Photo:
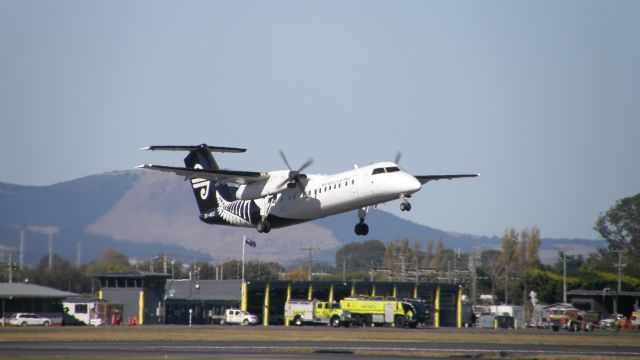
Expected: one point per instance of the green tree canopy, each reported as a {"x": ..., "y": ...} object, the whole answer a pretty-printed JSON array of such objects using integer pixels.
[
  {"x": 360, "y": 257},
  {"x": 620, "y": 227}
]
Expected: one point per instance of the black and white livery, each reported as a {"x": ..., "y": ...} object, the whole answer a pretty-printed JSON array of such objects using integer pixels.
[{"x": 274, "y": 199}]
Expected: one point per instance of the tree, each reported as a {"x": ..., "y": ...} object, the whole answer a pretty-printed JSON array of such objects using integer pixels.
[
  {"x": 109, "y": 261},
  {"x": 533, "y": 247},
  {"x": 620, "y": 227},
  {"x": 63, "y": 275},
  {"x": 360, "y": 257},
  {"x": 490, "y": 260},
  {"x": 398, "y": 258},
  {"x": 509, "y": 258}
]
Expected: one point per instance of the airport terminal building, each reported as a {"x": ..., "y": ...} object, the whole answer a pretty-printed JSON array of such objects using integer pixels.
[{"x": 154, "y": 298}]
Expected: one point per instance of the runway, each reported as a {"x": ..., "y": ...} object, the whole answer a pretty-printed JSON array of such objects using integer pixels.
[{"x": 297, "y": 350}]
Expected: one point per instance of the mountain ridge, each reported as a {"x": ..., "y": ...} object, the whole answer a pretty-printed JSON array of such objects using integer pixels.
[{"x": 143, "y": 213}]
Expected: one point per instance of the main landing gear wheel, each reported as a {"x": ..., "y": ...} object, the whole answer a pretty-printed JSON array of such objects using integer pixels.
[
  {"x": 264, "y": 226},
  {"x": 361, "y": 229}
]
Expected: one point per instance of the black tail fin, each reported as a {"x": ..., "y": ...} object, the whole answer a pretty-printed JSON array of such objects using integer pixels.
[{"x": 203, "y": 189}]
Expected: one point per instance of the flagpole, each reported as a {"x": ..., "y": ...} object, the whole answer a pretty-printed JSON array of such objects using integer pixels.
[{"x": 244, "y": 240}]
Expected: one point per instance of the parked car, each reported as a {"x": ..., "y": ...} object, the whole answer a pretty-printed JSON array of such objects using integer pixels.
[
  {"x": 611, "y": 322},
  {"x": 28, "y": 319}
]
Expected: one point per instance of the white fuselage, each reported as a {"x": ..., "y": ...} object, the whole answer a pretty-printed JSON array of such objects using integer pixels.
[{"x": 326, "y": 195}]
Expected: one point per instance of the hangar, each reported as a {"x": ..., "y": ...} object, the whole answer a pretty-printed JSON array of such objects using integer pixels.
[
  {"x": 604, "y": 301},
  {"x": 21, "y": 297},
  {"x": 154, "y": 298}
]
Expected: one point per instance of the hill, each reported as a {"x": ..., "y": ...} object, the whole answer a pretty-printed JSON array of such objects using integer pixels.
[{"x": 143, "y": 213}]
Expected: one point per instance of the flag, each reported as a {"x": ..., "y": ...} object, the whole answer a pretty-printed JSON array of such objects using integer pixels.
[{"x": 250, "y": 242}]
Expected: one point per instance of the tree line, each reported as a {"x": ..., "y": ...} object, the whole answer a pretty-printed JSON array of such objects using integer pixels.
[{"x": 508, "y": 273}]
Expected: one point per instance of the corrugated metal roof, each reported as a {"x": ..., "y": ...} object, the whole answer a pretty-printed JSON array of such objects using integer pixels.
[
  {"x": 132, "y": 274},
  {"x": 22, "y": 290},
  {"x": 203, "y": 289},
  {"x": 609, "y": 292}
]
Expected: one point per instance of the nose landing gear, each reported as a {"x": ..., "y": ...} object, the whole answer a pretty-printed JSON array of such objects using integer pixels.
[{"x": 405, "y": 205}]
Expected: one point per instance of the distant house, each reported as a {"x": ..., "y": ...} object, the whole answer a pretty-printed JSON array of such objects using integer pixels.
[{"x": 42, "y": 300}]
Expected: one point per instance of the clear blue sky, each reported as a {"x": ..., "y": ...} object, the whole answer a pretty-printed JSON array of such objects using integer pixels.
[{"x": 540, "y": 97}]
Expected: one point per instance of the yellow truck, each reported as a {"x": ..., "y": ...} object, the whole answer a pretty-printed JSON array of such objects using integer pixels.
[
  {"x": 301, "y": 312},
  {"x": 368, "y": 311}
]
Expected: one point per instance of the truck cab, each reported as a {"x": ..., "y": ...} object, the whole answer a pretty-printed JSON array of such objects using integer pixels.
[{"x": 316, "y": 312}]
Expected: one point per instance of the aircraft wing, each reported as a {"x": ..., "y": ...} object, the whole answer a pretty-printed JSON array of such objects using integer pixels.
[
  {"x": 426, "y": 178},
  {"x": 221, "y": 176}
]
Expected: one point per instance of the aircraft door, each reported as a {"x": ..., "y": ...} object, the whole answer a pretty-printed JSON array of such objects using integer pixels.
[{"x": 366, "y": 184}]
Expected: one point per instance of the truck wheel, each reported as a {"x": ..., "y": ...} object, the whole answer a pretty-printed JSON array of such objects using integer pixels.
[
  {"x": 399, "y": 321},
  {"x": 46, "y": 323},
  {"x": 297, "y": 321},
  {"x": 335, "y": 321},
  {"x": 24, "y": 323},
  {"x": 575, "y": 327},
  {"x": 245, "y": 322},
  {"x": 222, "y": 322},
  {"x": 366, "y": 321},
  {"x": 555, "y": 328}
]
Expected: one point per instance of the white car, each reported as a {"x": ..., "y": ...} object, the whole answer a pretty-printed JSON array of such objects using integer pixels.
[
  {"x": 28, "y": 319},
  {"x": 96, "y": 322},
  {"x": 235, "y": 316}
]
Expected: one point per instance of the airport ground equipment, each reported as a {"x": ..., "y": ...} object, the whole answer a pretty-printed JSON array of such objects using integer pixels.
[
  {"x": 316, "y": 312},
  {"x": 239, "y": 317},
  {"x": 423, "y": 314},
  {"x": 572, "y": 319},
  {"x": 368, "y": 311}
]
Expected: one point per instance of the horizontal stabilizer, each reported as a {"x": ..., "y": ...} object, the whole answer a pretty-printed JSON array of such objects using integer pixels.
[
  {"x": 220, "y": 176},
  {"x": 426, "y": 178},
  {"x": 222, "y": 149}
]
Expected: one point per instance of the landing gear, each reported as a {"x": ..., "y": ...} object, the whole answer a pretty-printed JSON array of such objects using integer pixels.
[
  {"x": 405, "y": 205},
  {"x": 362, "y": 228},
  {"x": 264, "y": 226}
]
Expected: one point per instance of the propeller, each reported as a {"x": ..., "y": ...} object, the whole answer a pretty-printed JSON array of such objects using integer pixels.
[
  {"x": 398, "y": 157},
  {"x": 294, "y": 175}
]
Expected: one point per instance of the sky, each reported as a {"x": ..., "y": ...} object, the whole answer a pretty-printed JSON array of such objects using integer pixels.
[{"x": 542, "y": 98}]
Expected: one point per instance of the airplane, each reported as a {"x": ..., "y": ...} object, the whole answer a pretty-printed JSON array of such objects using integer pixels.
[{"x": 275, "y": 199}]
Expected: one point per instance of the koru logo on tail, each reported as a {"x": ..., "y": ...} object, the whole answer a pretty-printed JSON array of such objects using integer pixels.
[{"x": 202, "y": 184}]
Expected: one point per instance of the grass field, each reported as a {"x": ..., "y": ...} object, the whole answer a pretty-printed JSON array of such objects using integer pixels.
[{"x": 231, "y": 333}]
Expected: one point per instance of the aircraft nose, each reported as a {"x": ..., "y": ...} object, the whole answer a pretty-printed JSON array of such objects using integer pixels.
[{"x": 412, "y": 184}]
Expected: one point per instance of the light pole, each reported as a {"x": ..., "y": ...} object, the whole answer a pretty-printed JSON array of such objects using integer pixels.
[{"x": 244, "y": 241}]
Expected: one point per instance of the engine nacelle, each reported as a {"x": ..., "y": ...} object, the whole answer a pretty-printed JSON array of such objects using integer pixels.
[{"x": 259, "y": 189}]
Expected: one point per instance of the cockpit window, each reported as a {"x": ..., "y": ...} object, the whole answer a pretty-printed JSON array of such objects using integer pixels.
[
  {"x": 392, "y": 169},
  {"x": 378, "y": 171}
]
